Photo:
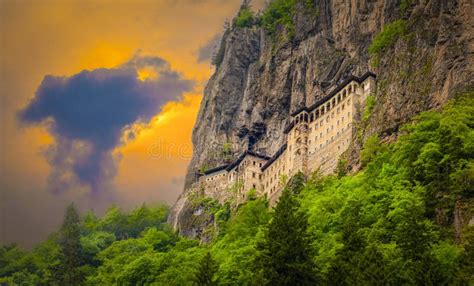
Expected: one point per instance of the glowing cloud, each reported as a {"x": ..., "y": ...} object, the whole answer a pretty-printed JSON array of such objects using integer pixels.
[{"x": 88, "y": 112}]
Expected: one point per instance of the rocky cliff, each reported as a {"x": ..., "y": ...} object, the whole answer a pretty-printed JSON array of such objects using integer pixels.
[{"x": 260, "y": 80}]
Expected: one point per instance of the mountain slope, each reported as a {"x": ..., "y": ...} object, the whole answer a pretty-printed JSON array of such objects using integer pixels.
[{"x": 425, "y": 54}]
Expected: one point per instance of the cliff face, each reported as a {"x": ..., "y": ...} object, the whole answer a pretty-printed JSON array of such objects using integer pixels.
[{"x": 257, "y": 85}]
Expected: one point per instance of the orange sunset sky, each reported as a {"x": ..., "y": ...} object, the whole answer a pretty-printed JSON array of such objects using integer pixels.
[{"x": 62, "y": 38}]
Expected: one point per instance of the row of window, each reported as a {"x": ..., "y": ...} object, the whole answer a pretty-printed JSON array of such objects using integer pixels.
[
  {"x": 336, "y": 100},
  {"x": 321, "y": 123}
]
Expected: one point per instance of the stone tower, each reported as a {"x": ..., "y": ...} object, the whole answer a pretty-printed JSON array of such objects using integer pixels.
[{"x": 298, "y": 143}]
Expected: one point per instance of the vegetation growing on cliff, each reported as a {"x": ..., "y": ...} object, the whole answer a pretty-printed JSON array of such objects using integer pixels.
[
  {"x": 369, "y": 107},
  {"x": 245, "y": 17},
  {"x": 386, "y": 38},
  {"x": 279, "y": 14},
  {"x": 389, "y": 224},
  {"x": 279, "y": 17}
]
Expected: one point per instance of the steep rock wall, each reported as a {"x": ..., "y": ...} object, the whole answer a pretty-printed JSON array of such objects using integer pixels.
[{"x": 259, "y": 82}]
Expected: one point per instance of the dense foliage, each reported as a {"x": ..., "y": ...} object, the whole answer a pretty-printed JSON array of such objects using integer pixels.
[
  {"x": 285, "y": 254},
  {"x": 392, "y": 223}
]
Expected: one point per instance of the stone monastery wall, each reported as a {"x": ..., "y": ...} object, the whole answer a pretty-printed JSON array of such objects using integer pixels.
[{"x": 316, "y": 136}]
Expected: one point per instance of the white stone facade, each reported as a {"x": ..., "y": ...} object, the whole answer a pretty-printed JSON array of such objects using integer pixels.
[{"x": 316, "y": 137}]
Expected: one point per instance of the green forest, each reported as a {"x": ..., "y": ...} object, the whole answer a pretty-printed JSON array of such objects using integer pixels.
[{"x": 392, "y": 223}]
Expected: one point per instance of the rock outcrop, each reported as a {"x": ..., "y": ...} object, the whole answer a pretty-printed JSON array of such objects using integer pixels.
[{"x": 259, "y": 81}]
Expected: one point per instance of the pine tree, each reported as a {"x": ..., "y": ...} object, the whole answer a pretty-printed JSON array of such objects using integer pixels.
[
  {"x": 207, "y": 271},
  {"x": 285, "y": 257},
  {"x": 69, "y": 240}
]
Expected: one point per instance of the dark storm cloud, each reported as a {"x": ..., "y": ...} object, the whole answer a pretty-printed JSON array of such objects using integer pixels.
[
  {"x": 88, "y": 112},
  {"x": 205, "y": 52}
]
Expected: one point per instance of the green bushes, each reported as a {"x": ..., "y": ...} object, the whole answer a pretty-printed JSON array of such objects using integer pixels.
[
  {"x": 386, "y": 38},
  {"x": 245, "y": 18},
  {"x": 278, "y": 14},
  {"x": 379, "y": 225},
  {"x": 390, "y": 33}
]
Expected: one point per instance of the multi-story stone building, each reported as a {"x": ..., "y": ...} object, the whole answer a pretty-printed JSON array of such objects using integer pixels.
[{"x": 315, "y": 138}]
